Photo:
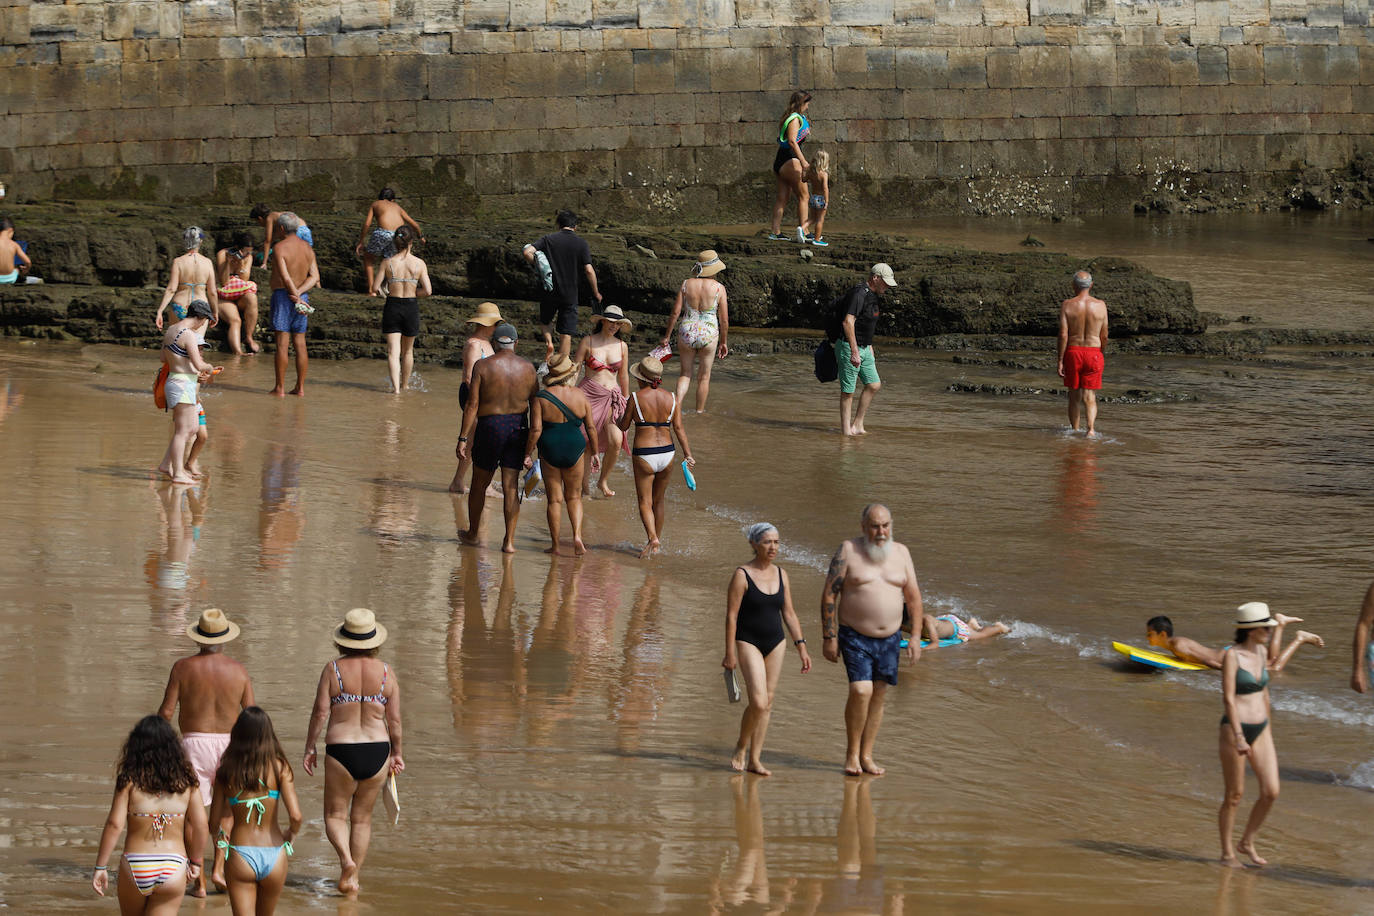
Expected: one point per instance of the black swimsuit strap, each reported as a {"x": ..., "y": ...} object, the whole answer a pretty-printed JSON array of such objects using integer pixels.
[{"x": 572, "y": 417}]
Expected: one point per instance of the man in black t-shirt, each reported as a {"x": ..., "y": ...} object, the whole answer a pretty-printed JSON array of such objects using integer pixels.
[
  {"x": 854, "y": 347},
  {"x": 568, "y": 256}
]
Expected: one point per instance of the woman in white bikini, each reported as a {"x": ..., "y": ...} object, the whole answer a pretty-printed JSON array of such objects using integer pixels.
[
  {"x": 193, "y": 277},
  {"x": 657, "y": 420},
  {"x": 606, "y": 385},
  {"x": 705, "y": 312}
]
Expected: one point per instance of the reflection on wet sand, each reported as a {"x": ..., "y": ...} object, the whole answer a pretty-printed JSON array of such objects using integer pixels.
[
  {"x": 1078, "y": 486},
  {"x": 859, "y": 888},
  {"x": 395, "y": 505},
  {"x": 643, "y": 679},
  {"x": 557, "y": 659},
  {"x": 281, "y": 517},
  {"x": 746, "y": 880},
  {"x": 486, "y": 678},
  {"x": 181, "y": 512}
]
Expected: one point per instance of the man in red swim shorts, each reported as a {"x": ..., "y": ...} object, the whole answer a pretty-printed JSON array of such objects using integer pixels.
[{"x": 1082, "y": 334}]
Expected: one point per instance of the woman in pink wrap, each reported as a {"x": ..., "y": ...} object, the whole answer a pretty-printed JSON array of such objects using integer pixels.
[{"x": 606, "y": 385}]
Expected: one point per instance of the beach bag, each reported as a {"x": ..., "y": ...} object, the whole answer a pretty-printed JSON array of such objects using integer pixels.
[
  {"x": 160, "y": 388},
  {"x": 827, "y": 366}
]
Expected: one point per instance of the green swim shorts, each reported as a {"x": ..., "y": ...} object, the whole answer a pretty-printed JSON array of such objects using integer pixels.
[{"x": 867, "y": 372}]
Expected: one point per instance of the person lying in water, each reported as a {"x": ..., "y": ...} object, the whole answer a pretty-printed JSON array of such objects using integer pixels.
[
  {"x": 948, "y": 626},
  {"x": 1159, "y": 632}
]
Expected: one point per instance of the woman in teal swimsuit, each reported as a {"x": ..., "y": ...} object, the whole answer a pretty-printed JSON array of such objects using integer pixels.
[
  {"x": 558, "y": 416},
  {"x": 1245, "y": 730},
  {"x": 254, "y": 778}
]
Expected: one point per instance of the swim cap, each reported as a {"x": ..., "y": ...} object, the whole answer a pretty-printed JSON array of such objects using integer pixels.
[{"x": 756, "y": 531}]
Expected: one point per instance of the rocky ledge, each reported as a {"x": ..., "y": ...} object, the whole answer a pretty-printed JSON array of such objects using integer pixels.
[{"x": 104, "y": 266}]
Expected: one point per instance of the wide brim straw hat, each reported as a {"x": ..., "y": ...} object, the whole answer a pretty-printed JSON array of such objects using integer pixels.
[
  {"x": 560, "y": 367},
  {"x": 213, "y": 628},
  {"x": 708, "y": 264},
  {"x": 648, "y": 370},
  {"x": 360, "y": 630},
  {"x": 1254, "y": 614},
  {"x": 614, "y": 315},
  {"x": 487, "y": 314}
]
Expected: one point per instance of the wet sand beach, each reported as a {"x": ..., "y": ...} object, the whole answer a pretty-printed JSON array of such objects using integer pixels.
[{"x": 567, "y": 737}]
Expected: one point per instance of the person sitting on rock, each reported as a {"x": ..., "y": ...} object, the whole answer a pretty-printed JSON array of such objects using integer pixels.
[{"x": 11, "y": 254}]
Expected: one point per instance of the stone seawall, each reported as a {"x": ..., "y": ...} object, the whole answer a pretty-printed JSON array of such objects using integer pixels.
[{"x": 668, "y": 108}]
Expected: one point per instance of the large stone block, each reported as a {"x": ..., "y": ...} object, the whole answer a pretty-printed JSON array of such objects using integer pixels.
[
  {"x": 959, "y": 12},
  {"x": 609, "y": 72},
  {"x": 1343, "y": 65},
  {"x": 968, "y": 68},
  {"x": 732, "y": 69},
  {"x": 863, "y": 12},
  {"x": 782, "y": 12},
  {"x": 865, "y": 68},
  {"x": 1045, "y": 66},
  {"x": 918, "y": 68},
  {"x": 63, "y": 22},
  {"x": 1003, "y": 68},
  {"x": 1143, "y": 66},
  {"x": 1092, "y": 65}
]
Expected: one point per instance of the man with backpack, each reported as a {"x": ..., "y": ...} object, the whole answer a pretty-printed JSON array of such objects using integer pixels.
[{"x": 853, "y": 323}]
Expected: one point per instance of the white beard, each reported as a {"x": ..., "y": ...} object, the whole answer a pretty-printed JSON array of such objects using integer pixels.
[{"x": 877, "y": 553}]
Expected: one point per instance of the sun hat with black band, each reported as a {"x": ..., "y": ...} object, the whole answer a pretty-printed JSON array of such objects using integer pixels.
[
  {"x": 1254, "y": 614},
  {"x": 613, "y": 314},
  {"x": 360, "y": 630},
  {"x": 560, "y": 368},
  {"x": 213, "y": 628},
  {"x": 648, "y": 370}
]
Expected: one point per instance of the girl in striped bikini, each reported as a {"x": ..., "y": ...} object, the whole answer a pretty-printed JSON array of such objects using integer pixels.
[{"x": 156, "y": 787}]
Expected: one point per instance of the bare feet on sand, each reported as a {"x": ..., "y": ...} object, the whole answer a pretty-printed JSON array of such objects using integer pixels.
[
  {"x": 508, "y": 547},
  {"x": 871, "y": 768},
  {"x": 297, "y": 391},
  {"x": 278, "y": 392},
  {"x": 650, "y": 549},
  {"x": 1232, "y": 862},
  {"x": 739, "y": 759},
  {"x": 184, "y": 481},
  {"x": 457, "y": 488},
  {"x": 605, "y": 490},
  {"x": 852, "y": 768},
  {"x": 469, "y": 539},
  {"x": 579, "y": 548},
  {"x": 1248, "y": 849},
  {"x": 348, "y": 879},
  {"x": 164, "y": 470}
]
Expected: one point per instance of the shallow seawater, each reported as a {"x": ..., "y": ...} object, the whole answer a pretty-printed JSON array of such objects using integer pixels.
[{"x": 566, "y": 735}]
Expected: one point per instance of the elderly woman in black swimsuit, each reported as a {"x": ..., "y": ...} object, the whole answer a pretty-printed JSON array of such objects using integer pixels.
[
  {"x": 757, "y": 605},
  {"x": 1245, "y": 731},
  {"x": 558, "y": 416},
  {"x": 363, "y": 741}
]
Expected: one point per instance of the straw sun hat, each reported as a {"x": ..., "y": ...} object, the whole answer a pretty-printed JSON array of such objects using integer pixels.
[
  {"x": 613, "y": 315},
  {"x": 213, "y": 628},
  {"x": 1254, "y": 614},
  {"x": 360, "y": 630},
  {"x": 560, "y": 367},
  {"x": 487, "y": 314},
  {"x": 708, "y": 264},
  {"x": 648, "y": 370}
]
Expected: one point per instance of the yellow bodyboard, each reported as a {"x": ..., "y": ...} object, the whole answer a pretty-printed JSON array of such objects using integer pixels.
[{"x": 1155, "y": 659}]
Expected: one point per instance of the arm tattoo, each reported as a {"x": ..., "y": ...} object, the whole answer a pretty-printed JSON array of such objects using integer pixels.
[{"x": 830, "y": 597}]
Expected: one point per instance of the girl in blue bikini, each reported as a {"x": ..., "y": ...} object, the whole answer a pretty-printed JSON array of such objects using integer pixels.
[{"x": 253, "y": 780}]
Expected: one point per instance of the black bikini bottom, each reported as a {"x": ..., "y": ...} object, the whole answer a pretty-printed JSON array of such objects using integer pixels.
[{"x": 362, "y": 760}]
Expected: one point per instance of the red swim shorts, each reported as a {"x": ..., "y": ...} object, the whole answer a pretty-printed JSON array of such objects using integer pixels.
[{"x": 1083, "y": 367}]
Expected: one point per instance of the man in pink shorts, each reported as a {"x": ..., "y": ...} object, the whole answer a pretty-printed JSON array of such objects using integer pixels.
[
  {"x": 1082, "y": 335},
  {"x": 211, "y": 688}
]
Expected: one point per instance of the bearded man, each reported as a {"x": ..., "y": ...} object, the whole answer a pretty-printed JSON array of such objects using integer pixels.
[{"x": 870, "y": 584}]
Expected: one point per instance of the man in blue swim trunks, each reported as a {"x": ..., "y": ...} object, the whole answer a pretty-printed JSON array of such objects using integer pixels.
[
  {"x": 495, "y": 428},
  {"x": 294, "y": 273},
  {"x": 871, "y": 579}
]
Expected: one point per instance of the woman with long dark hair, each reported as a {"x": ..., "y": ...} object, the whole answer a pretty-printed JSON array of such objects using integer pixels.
[
  {"x": 606, "y": 385},
  {"x": 253, "y": 780},
  {"x": 790, "y": 165},
  {"x": 156, "y": 786}
]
